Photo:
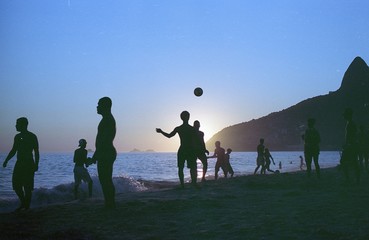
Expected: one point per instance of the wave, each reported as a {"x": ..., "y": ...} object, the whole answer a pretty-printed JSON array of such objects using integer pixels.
[{"x": 64, "y": 193}]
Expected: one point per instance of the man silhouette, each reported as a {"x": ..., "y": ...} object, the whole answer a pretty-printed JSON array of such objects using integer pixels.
[
  {"x": 106, "y": 153},
  {"x": 260, "y": 161},
  {"x": 200, "y": 149},
  {"x": 349, "y": 157},
  {"x": 25, "y": 145},
  {"x": 311, "y": 147},
  {"x": 186, "y": 150}
]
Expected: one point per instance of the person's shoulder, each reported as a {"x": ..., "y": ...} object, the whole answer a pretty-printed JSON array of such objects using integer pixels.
[{"x": 32, "y": 134}]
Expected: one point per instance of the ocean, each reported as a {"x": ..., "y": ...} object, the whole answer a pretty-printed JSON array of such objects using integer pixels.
[{"x": 54, "y": 179}]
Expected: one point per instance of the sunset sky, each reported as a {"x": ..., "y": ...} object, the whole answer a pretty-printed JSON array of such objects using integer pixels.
[{"x": 250, "y": 57}]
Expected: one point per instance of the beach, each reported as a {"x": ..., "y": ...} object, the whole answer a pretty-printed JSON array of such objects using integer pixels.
[{"x": 272, "y": 206}]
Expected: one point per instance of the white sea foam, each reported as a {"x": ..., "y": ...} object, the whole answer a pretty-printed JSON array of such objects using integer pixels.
[{"x": 64, "y": 193}]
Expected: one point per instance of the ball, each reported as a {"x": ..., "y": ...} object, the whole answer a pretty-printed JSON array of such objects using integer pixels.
[{"x": 198, "y": 91}]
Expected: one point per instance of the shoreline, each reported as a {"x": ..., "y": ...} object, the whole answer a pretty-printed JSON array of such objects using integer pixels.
[{"x": 273, "y": 206}]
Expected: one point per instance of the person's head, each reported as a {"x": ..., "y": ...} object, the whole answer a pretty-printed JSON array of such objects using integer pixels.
[
  {"x": 261, "y": 140},
  {"x": 196, "y": 125},
  {"x": 217, "y": 144},
  {"x": 82, "y": 143},
  {"x": 22, "y": 124},
  {"x": 311, "y": 122},
  {"x": 347, "y": 114},
  {"x": 229, "y": 150},
  {"x": 104, "y": 105},
  {"x": 185, "y": 116}
]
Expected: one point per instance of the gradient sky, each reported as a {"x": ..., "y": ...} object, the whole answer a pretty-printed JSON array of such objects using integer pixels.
[{"x": 250, "y": 57}]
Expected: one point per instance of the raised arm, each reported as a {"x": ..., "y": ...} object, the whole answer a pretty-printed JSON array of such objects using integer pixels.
[{"x": 168, "y": 135}]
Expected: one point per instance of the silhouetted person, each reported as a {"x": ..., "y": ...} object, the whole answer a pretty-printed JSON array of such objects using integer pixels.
[
  {"x": 349, "y": 157},
  {"x": 228, "y": 162},
  {"x": 28, "y": 156},
  {"x": 260, "y": 161},
  {"x": 186, "y": 151},
  {"x": 200, "y": 149},
  {"x": 267, "y": 157},
  {"x": 363, "y": 151},
  {"x": 219, "y": 153},
  {"x": 80, "y": 172},
  {"x": 301, "y": 163},
  {"x": 105, "y": 153},
  {"x": 311, "y": 147}
]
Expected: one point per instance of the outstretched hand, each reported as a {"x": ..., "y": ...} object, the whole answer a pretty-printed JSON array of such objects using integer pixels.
[{"x": 158, "y": 130}]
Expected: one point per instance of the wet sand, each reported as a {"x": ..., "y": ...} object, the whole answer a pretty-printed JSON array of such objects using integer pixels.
[{"x": 275, "y": 206}]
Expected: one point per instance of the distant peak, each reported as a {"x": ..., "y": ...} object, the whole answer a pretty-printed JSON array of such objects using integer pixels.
[
  {"x": 359, "y": 63},
  {"x": 356, "y": 76}
]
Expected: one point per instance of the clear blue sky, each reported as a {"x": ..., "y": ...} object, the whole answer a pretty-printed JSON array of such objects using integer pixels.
[{"x": 250, "y": 57}]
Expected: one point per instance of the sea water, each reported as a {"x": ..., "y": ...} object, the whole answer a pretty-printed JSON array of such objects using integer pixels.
[{"x": 54, "y": 180}]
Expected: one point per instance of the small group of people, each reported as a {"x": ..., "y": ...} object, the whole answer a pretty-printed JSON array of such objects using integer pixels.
[
  {"x": 192, "y": 147},
  {"x": 223, "y": 160},
  {"x": 27, "y": 149},
  {"x": 263, "y": 159},
  {"x": 355, "y": 151}
]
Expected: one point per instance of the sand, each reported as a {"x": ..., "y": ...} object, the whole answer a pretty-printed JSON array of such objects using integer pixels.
[{"x": 275, "y": 206}]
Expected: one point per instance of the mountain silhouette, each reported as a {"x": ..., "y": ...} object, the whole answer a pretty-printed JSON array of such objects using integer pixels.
[{"x": 282, "y": 130}]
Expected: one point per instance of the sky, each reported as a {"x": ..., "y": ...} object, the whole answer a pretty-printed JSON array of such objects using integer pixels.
[{"x": 251, "y": 58}]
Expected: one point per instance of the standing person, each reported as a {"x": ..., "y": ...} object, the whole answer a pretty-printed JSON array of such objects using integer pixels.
[
  {"x": 80, "y": 172},
  {"x": 260, "y": 158},
  {"x": 349, "y": 157},
  {"x": 267, "y": 157},
  {"x": 228, "y": 162},
  {"x": 311, "y": 147},
  {"x": 200, "y": 149},
  {"x": 186, "y": 151},
  {"x": 363, "y": 148},
  {"x": 28, "y": 156},
  {"x": 219, "y": 153},
  {"x": 105, "y": 153},
  {"x": 301, "y": 163}
]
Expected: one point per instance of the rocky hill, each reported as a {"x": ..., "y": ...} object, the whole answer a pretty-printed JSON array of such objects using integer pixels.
[{"x": 282, "y": 130}]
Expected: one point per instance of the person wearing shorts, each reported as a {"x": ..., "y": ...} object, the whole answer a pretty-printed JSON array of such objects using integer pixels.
[
  {"x": 186, "y": 151},
  {"x": 28, "y": 156},
  {"x": 219, "y": 153},
  {"x": 80, "y": 172}
]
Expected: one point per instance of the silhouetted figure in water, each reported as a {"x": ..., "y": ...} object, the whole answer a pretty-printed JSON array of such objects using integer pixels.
[
  {"x": 186, "y": 151},
  {"x": 260, "y": 161},
  {"x": 349, "y": 157},
  {"x": 228, "y": 162},
  {"x": 105, "y": 153},
  {"x": 219, "y": 153},
  {"x": 311, "y": 147},
  {"x": 28, "y": 156},
  {"x": 80, "y": 172},
  {"x": 363, "y": 153},
  {"x": 267, "y": 157},
  {"x": 200, "y": 149}
]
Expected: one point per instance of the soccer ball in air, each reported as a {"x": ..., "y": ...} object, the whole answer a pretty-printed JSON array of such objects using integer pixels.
[{"x": 198, "y": 91}]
